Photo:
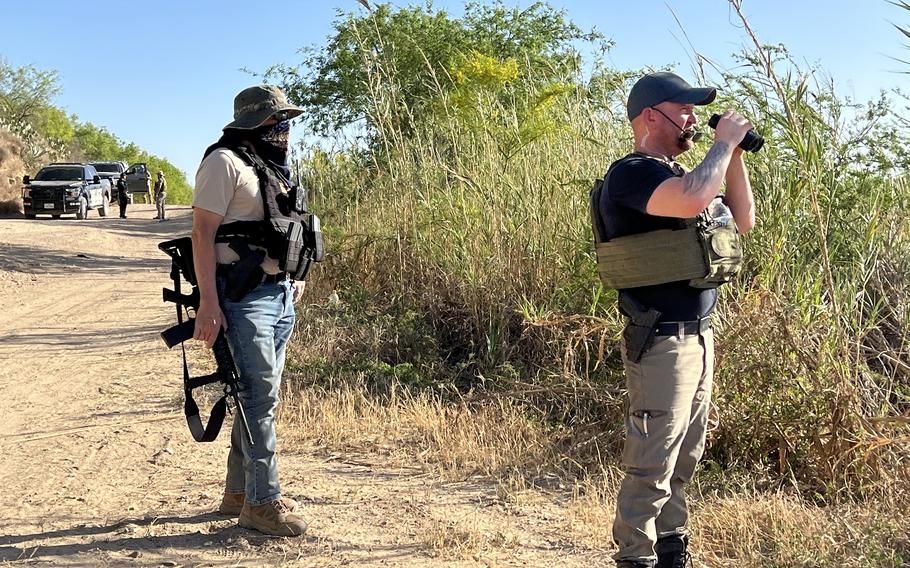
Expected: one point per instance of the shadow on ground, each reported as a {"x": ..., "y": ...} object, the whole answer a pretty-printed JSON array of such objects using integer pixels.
[{"x": 203, "y": 533}]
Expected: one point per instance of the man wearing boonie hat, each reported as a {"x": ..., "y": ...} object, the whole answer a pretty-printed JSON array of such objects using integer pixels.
[
  {"x": 240, "y": 175},
  {"x": 668, "y": 345}
]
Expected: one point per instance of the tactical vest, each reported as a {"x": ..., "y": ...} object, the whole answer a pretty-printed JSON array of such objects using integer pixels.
[
  {"x": 288, "y": 232},
  {"x": 704, "y": 250}
]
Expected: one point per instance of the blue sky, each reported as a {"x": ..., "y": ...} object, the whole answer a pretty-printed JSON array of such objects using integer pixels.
[{"x": 163, "y": 74}]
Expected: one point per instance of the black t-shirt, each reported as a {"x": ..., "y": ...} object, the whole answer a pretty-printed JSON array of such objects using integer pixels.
[{"x": 623, "y": 201}]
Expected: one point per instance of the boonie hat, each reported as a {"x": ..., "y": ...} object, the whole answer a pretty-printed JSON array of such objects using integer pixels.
[
  {"x": 255, "y": 105},
  {"x": 656, "y": 88}
]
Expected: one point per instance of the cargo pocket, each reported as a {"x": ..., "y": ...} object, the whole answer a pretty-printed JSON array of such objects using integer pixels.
[{"x": 644, "y": 447}]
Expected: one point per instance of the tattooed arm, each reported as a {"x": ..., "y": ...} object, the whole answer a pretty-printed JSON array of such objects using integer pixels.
[{"x": 687, "y": 196}]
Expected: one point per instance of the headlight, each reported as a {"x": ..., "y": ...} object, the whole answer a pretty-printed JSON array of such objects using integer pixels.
[{"x": 73, "y": 191}]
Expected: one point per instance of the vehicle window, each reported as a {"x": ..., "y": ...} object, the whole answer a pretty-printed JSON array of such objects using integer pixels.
[
  {"x": 107, "y": 168},
  {"x": 59, "y": 174}
]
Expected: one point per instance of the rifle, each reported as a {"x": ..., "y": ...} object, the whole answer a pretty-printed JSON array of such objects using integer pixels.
[{"x": 181, "y": 253}]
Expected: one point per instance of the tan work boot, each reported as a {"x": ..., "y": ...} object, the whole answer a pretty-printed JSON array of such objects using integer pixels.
[
  {"x": 232, "y": 504},
  {"x": 274, "y": 518}
]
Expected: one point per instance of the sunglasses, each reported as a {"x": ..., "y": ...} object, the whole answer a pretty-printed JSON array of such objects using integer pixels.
[{"x": 281, "y": 115}]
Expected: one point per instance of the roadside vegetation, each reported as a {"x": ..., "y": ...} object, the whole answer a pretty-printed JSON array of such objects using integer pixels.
[
  {"x": 470, "y": 332},
  {"x": 35, "y": 132}
]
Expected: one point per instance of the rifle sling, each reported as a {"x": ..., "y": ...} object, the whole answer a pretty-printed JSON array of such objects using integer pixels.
[
  {"x": 191, "y": 409},
  {"x": 200, "y": 433}
]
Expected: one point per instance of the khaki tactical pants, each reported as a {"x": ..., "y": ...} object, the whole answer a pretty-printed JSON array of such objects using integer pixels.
[
  {"x": 669, "y": 398},
  {"x": 159, "y": 204}
]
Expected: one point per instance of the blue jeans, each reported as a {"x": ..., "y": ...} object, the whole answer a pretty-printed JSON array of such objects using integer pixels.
[{"x": 259, "y": 327}]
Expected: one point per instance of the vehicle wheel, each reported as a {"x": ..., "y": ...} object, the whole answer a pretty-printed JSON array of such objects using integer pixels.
[
  {"x": 30, "y": 215},
  {"x": 82, "y": 212},
  {"x": 105, "y": 206}
]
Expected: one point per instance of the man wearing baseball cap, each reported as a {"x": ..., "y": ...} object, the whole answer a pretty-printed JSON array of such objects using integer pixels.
[
  {"x": 240, "y": 182},
  {"x": 668, "y": 345}
]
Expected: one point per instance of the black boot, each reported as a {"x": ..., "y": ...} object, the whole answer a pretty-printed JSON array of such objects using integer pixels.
[{"x": 671, "y": 552}]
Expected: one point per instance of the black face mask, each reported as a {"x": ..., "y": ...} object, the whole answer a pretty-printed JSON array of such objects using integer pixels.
[
  {"x": 271, "y": 144},
  {"x": 271, "y": 141}
]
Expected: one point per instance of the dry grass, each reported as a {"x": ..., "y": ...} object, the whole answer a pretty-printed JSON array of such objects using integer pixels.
[
  {"x": 749, "y": 529},
  {"x": 736, "y": 527},
  {"x": 781, "y": 530},
  {"x": 462, "y": 540},
  {"x": 456, "y": 440}
]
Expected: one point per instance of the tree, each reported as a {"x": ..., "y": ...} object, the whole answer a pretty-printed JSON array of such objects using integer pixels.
[
  {"x": 26, "y": 111},
  {"x": 405, "y": 59},
  {"x": 94, "y": 143},
  {"x": 52, "y": 123},
  {"x": 24, "y": 93}
]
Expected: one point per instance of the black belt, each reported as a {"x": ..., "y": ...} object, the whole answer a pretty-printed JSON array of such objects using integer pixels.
[
  {"x": 222, "y": 269},
  {"x": 682, "y": 328},
  {"x": 275, "y": 278}
]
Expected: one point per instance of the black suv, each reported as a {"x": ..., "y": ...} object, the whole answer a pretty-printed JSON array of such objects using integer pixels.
[{"x": 59, "y": 189}]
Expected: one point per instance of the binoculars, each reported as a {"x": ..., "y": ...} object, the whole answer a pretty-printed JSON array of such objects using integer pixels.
[{"x": 751, "y": 142}]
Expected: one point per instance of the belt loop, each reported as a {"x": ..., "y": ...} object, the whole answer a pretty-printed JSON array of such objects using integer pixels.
[{"x": 680, "y": 329}]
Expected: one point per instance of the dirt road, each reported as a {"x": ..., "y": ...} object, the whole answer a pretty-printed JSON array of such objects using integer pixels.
[{"x": 99, "y": 470}]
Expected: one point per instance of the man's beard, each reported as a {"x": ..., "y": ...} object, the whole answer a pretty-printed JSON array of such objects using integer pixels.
[
  {"x": 687, "y": 139},
  {"x": 684, "y": 144}
]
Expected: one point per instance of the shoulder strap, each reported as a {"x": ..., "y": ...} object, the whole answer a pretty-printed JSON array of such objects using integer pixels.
[
  {"x": 600, "y": 232},
  {"x": 596, "y": 197},
  {"x": 253, "y": 231}
]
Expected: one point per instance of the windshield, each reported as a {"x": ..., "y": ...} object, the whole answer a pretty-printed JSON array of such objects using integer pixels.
[
  {"x": 107, "y": 168},
  {"x": 59, "y": 174}
]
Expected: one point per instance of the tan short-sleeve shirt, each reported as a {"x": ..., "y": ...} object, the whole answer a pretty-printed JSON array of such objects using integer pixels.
[{"x": 226, "y": 186}]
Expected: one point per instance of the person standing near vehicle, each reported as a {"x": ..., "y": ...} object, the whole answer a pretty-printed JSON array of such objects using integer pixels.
[
  {"x": 651, "y": 219},
  {"x": 242, "y": 187},
  {"x": 160, "y": 196},
  {"x": 122, "y": 197}
]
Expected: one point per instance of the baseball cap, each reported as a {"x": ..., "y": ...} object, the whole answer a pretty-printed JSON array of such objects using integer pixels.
[{"x": 656, "y": 88}]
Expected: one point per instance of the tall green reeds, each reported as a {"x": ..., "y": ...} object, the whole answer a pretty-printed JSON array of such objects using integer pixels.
[{"x": 475, "y": 218}]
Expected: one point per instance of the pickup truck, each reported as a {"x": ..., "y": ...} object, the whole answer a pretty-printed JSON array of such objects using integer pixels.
[
  {"x": 110, "y": 171},
  {"x": 60, "y": 189}
]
